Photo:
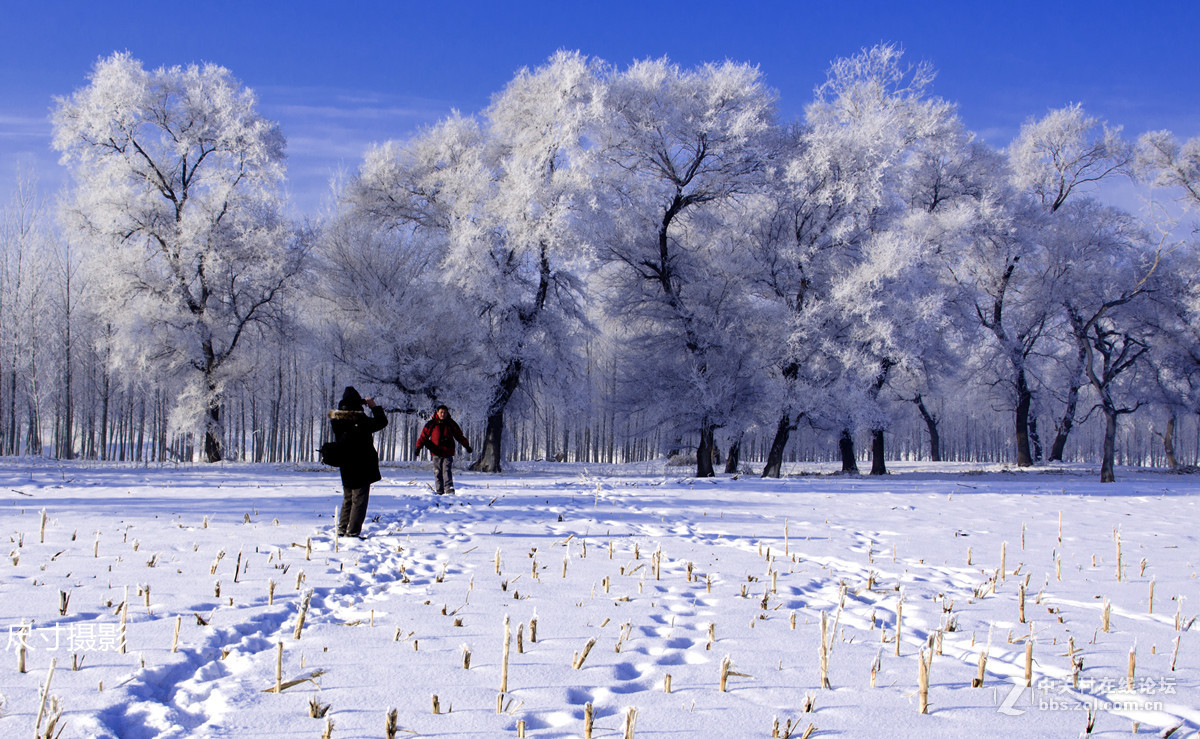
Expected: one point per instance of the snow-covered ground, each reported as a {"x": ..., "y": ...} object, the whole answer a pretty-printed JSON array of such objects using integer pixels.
[{"x": 663, "y": 575}]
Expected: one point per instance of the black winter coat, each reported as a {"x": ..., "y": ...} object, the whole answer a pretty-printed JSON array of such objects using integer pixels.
[{"x": 353, "y": 429}]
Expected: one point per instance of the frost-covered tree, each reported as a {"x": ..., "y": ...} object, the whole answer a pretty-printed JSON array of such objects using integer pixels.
[
  {"x": 1174, "y": 167},
  {"x": 1066, "y": 151},
  {"x": 1167, "y": 163},
  {"x": 497, "y": 199},
  {"x": 385, "y": 312},
  {"x": 1002, "y": 272},
  {"x": 1056, "y": 159},
  {"x": 178, "y": 185},
  {"x": 676, "y": 151},
  {"x": 26, "y": 246},
  {"x": 852, "y": 245},
  {"x": 1113, "y": 270}
]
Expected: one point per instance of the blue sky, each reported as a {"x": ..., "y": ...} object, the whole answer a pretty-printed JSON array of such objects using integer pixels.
[{"x": 339, "y": 76}]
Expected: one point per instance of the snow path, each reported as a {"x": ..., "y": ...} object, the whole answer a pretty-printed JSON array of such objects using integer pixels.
[{"x": 667, "y": 575}]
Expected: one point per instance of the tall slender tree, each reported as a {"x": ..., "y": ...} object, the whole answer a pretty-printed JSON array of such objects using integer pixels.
[
  {"x": 677, "y": 149},
  {"x": 178, "y": 183}
]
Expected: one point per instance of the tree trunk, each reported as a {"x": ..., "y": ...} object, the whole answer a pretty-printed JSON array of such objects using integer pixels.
[
  {"x": 775, "y": 456},
  {"x": 1035, "y": 439},
  {"x": 493, "y": 435},
  {"x": 14, "y": 441},
  {"x": 1108, "y": 462},
  {"x": 212, "y": 431},
  {"x": 846, "y": 448},
  {"x": 931, "y": 425},
  {"x": 1024, "y": 400},
  {"x": 1066, "y": 424},
  {"x": 1169, "y": 443},
  {"x": 104, "y": 400},
  {"x": 878, "y": 467},
  {"x": 735, "y": 456},
  {"x": 704, "y": 453}
]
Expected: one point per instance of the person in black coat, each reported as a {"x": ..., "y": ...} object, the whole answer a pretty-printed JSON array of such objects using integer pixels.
[{"x": 352, "y": 428}]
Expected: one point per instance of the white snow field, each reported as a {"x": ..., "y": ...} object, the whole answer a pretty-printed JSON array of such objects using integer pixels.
[{"x": 641, "y": 580}]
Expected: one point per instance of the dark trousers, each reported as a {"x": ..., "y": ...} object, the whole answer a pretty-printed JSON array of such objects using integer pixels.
[
  {"x": 443, "y": 475},
  {"x": 354, "y": 510}
]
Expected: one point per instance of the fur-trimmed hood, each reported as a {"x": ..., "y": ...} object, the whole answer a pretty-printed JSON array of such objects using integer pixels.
[{"x": 338, "y": 415}]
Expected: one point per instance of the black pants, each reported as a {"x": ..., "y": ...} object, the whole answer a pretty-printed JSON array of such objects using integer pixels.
[
  {"x": 444, "y": 475},
  {"x": 354, "y": 510}
]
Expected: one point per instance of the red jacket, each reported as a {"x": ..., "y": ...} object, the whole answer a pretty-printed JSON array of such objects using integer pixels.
[{"x": 439, "y": 437}]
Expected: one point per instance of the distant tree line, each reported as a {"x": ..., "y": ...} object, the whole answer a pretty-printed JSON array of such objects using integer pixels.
[{"x": 607, "y": 265}]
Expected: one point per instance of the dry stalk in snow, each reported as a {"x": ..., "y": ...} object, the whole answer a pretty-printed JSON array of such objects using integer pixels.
[
  {"x": 303, "y": 614},
  {"x": 54, "y": 712},
  {"x": 1120, "y": 575},
  {"x": 728, "y": 672},
  {"x": 279, "y": 670},
  {"x": 578, "y": 661},
  {"x": 979, "y": 675},
  {"x": 588, "y": 715},
  {"x": 630, "y": 721},
  {"x": 1132, "y": 667},
  {"x": 504, "y": 657},
  {"x": 22, "y": 641},
  {"x": 923, "y": 664},
  {"x": 37, "y": 727},
  {"x": 124, "y": 619}
]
